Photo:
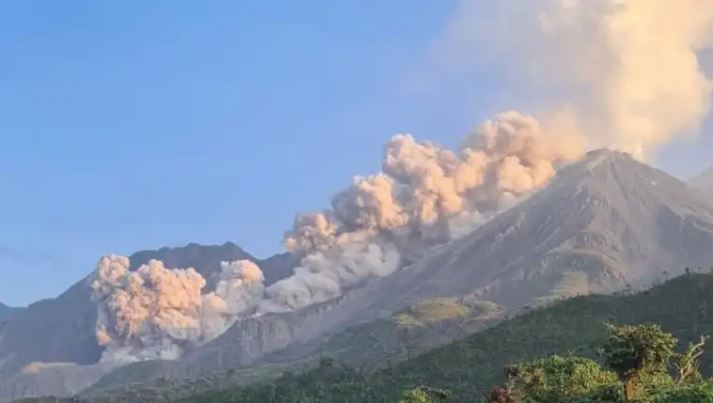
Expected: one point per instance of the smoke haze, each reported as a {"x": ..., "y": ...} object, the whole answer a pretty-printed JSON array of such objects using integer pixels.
[{"x": 629, "y": 70}]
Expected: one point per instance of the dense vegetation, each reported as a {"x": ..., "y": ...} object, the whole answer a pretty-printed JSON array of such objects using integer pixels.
[
  {"x": 641, "y": 366},
  {"x": 466, "y": 371}
]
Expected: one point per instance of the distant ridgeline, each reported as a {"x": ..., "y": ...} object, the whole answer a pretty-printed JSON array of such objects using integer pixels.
[
  {"x": 469, "y": 369},
  {"x": 6, "y": 312}
]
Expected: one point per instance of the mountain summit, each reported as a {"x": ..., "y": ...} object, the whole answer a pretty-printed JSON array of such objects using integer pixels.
[{"x": 604, "y": 223}]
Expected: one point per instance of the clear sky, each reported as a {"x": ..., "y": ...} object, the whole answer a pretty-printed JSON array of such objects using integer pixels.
[{"x": 133, "y": 124}]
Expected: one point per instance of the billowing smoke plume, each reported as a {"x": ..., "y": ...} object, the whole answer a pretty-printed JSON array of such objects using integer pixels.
[
  {"x": 616, "y": 73},
  {"x": 629, "y": 70},
  {"x": 238, "y": 293},
  {"x": 425, "y": 192},
  {"x": 155, "y": 312}
]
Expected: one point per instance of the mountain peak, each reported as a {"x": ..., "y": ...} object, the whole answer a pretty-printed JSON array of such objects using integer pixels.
[
  {"x": 602, "y": 155},
  {"x": 605, "y": 222},
  {"x": 596, "y": 162},
  {"x": 611, "y": 172}
]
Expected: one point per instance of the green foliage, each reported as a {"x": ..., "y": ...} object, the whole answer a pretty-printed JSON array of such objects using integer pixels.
[
  {"x": 558, "y": 379},
  {"x": 691, "y": 393},
  {"x": 469, "y": 368},
  {"x": 424, "y": 394},
  {"x": 638, "y": 352},
  {"x": 431, "y": 311},
  {"x": 634, "y": 349},
  {"x": 641, "y": 358}
]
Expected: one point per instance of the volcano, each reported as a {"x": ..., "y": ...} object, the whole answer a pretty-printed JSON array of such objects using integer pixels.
[
  {"x": 704, "y": 181},
  {"x": 605, "y": 223}
]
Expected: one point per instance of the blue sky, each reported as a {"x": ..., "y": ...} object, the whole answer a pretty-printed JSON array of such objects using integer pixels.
[{"x": 131, "y": 125}]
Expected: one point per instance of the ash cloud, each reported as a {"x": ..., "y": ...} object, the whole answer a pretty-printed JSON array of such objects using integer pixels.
[
  {"x": 630, "y": 71},
  {"x": 624, "y": 74},
  {"x": 424, "y": 194},
  {"x": 156, "y": 312}
]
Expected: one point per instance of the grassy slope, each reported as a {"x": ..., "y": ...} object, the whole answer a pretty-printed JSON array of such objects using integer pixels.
[{"x": 683, "y": 306}]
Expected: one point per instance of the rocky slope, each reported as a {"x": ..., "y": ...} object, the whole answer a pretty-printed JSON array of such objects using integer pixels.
[
  {"x": 704, "y": 181},
  {"x": 605, "y": 223}
]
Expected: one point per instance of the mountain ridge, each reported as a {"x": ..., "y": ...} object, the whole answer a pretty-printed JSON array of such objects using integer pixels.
[
  {"x": 7, "y": 312},
  {"x": 605, "y": 223},
  {"x": 470, "y": 367}
]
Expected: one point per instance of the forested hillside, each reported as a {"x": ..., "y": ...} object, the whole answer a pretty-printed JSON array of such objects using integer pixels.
[{"x": 470, "y": 368}]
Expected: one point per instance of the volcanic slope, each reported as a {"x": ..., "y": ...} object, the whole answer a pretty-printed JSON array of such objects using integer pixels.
[
  {"x": 605, "y": 223},
  {"x": 704, "y": 181}
]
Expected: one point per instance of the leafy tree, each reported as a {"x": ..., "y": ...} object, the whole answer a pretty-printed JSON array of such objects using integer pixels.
[
  {"x": 689, "y": 393},
  {"x": 499, "y": 394},
  {"x": 638, "y": 352},
  {"x": 424, "y": 394},
  {"x": 558, "y": 379}
]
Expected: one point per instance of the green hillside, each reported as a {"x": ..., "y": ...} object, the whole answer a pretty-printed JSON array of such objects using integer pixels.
[
  {"x": 683, "y": 306},
  {"x": 427, "y": 324}
]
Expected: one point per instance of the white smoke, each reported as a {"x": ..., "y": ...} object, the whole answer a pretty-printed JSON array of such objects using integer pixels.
[
  {"x": 629, "y": 70},
  {"x": 155, "y": 312},
  {"x": 325, "y": 274},
  {"x": 616, "y": 73},
  {"x": 425, "y": 192},
  {"x": 239, "y": 291}
]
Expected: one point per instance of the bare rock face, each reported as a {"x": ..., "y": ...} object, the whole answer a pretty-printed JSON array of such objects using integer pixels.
[
  {"x": 704, "y": 181},
  {"x": 604, "y": 224},
  {"x": 61, "y": 330}
]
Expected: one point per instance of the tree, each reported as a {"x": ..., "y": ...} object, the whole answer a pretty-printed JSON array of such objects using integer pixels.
[
  {"x": 499, "y": 394},
  {"x": 557, "y": 379},
  {"x": 638, "y": 352},
  {"x": 687, "y": 393},
  {"x": 687, "y": 363},
  {"x": 424, "y": 394}
]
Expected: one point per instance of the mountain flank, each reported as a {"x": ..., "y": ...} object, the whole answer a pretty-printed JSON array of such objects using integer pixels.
[
  {"x": 704, "y": 181},
  {"x": 604, "y": 224},
  {"x": 468, "y": 368},
  {"x": 7, "y": 312}
]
